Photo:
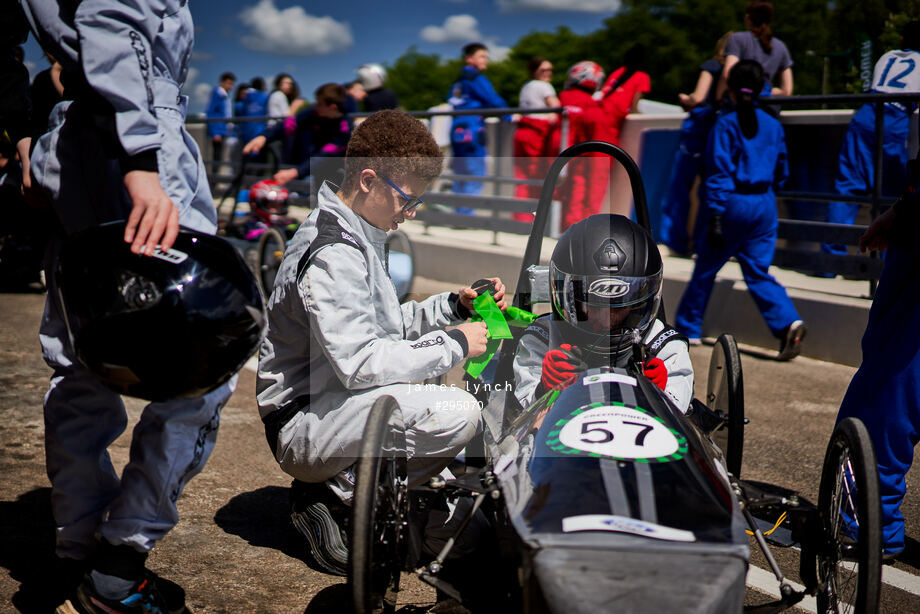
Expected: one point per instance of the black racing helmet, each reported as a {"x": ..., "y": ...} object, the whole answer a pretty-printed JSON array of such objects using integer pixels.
[
  {"x": 175, "y": 324},
  {"x": 605, "y": 286}
]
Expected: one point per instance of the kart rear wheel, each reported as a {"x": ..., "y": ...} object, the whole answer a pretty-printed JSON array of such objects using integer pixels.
[
  {"x": 268, "y": 256},
  {"x": 725, "y": 393},
  {"x": 380, "y": 510},
  {"x": 849, "y": 573}
]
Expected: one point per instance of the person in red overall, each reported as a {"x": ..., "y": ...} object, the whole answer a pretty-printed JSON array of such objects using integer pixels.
[
  {"x": 621, "y": 93},
  {"x": 536, "y": 140},
  {"x": 586, "y": 182}
]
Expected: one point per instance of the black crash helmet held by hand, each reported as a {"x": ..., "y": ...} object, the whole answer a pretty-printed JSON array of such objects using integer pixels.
[
  {"x": 605, "y": 286},
  {"x": 175, "y": 324}
]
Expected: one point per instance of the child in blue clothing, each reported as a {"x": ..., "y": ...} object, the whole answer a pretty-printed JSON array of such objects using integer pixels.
[
  {"x": 746, "y": 156},
  {"x": 473, "y": 90}
]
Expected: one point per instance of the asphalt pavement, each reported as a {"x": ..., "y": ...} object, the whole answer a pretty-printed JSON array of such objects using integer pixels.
[{"x": 234, "y": 550}]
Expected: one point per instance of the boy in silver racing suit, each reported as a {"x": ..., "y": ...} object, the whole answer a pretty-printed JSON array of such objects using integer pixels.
[
  {"x": 605, "y": 282},
  {"x": 338, "y": 339}
]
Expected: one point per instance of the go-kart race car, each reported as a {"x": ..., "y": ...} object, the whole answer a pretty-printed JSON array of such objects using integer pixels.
[{"x": 600, "y": 496}]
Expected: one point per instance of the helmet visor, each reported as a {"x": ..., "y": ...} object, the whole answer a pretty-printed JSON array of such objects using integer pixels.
[{"x": 606, "y": 304}]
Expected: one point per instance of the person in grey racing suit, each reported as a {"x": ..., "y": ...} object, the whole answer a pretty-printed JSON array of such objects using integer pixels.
[
  {"x": 116, "y": 149},
  {"x": 605, "y": 276},
  {"x": 338, "y": 339}
]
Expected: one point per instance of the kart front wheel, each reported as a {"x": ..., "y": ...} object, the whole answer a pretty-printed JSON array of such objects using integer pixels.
[
  {"x": 725, "y": 393},
  {"x": 849, "y": 559},
  {"x": 379, "y": 538}
]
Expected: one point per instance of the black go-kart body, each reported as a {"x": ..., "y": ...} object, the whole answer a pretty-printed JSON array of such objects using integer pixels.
[
  {"x": 607, "y": 477},
  {"x": 602, "y": 496}
]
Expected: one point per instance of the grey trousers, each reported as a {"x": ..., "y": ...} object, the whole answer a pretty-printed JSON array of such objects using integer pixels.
[{"x": 440, "y": 421}]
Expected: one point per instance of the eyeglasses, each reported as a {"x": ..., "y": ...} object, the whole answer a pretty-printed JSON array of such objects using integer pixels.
[
  {"x": 545, "y": 70},
  {"x": 411, "y": 203}
]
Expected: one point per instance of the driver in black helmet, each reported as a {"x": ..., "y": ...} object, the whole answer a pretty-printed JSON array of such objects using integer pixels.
[{"x": 605, "y": 284}]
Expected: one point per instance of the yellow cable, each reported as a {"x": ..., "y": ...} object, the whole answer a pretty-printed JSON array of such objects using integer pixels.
[{"x": 779, "y": 521}]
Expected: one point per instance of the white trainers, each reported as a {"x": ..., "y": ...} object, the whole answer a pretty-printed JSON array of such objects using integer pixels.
[{"x": 791, "y": 341}]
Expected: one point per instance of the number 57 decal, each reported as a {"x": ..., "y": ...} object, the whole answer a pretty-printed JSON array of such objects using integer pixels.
[
  {"x": 606, "y": 435},
  {"x": 617, "y": 432}
]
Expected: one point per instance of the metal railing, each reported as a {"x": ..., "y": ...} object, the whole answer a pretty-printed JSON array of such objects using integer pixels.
[
  {"x": 497, "y": 206},
  {"x": 852, "y": 266},
  {"x": 441, "y": 205}
]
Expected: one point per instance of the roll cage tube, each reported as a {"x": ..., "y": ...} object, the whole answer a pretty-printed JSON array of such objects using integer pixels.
[{"x": 535, "y": 241}]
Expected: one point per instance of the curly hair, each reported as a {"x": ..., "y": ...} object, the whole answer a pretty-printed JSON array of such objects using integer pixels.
[{"x": 392, "y": 143}]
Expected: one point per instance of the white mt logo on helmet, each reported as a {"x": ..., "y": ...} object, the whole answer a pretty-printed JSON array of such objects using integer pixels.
[{"x": 608, "y": 287}]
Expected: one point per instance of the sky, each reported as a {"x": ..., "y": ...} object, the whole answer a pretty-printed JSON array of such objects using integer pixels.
[{"x": 321, "y": 42}]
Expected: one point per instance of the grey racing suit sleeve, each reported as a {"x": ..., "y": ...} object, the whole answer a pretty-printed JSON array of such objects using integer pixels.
[
  {"x": 343, "y": 319},
  {"x": 676, "y": 358},
  {"x": 116, "y": 39},
  {"x": 435, "y": 312},
  {"x": 528, "y": 367}
]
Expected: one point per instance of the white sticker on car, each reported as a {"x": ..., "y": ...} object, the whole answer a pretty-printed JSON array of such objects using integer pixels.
[
  {"x": 622, "y": 524},
  {"x": 612, "y": 378}
]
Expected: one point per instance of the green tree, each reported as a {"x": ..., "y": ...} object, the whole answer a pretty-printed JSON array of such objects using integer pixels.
[{"x": 421, "y": 80}]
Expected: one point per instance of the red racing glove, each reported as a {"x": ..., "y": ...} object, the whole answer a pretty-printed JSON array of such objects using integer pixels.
[
  {"x": 655, "y": 370},
  {"x": 560, "y": 364}
]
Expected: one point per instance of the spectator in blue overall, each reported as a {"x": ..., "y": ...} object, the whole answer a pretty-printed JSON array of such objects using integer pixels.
[
  {"x": 467, "y": 134},
  {"x": 701, "y": 105},
  {"x": 219, "y": 107},
  {"x": 745, "y": 158},
  {"x": 885, "y": 391},
  {"x": 897, "y": 71},
  {"x": 118, "y": 149}
]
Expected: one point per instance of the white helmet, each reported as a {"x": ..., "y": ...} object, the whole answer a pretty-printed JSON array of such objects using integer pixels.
[{"x": 371, "y": 76}]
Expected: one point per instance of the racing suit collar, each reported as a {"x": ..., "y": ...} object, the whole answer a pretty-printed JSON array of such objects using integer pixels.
[{"x": 329, "y": 200}]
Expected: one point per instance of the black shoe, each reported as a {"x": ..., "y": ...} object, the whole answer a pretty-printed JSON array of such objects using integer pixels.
[
  {"x": 791, "y": 340},
  {"x": 147, "y": 596},
  {"x": 319, "y": 515}
]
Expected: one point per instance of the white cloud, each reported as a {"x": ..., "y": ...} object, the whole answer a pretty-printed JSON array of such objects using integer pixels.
[
  {"x": 292, "y": 31},
  {"x": 585, "y": 6},
  {"x": 497, "y": 53},
  {"x": 456, "y": 29},
  {"x": 201, "y": 93}
]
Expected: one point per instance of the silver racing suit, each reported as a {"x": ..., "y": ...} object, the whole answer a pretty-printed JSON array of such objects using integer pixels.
[
  {"x": 528, "y": 364},
  {"x": 338, "y": 339},
  {"x": 124, "y": 63}
]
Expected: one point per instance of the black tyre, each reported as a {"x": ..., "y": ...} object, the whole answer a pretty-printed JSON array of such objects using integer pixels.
[
  {"x": 849, "y": 573},
  {"x": 725, "y": 393},
  {"x": 269, "y": 253},
  {"x": 380, "y": 510}
]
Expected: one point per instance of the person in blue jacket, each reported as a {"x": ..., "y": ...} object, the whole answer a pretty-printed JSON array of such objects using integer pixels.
[
  {"x": 219, "y": 107},
  {"x": 745, "y": 158},
  {"x": 701, "y": 106},
  {"x": 897, "y": 71},
  {"x": 255, "y": 104},
  {"x": 885, "y": 391},
  {"x": 467, "y": 134}
]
